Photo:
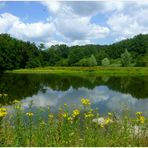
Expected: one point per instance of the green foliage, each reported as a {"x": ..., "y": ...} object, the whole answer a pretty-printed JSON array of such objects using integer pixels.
[
  {"x": 91, "y": 61},
  {"x": 142, "y": 61},
  {"x": 126, "y": 58},
  {"x": 100, "y": 56},
  {"x": 115, "y": 62},
  {"x": 105, "y": 62},
  {"x": 83, "y": 62},
  {"x": 35, "y": 62},
  {"x": 63, "y": 62},
  {"x": 16, "y": 54}
]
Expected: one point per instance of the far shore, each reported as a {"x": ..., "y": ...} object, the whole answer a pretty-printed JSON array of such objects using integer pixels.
[{"x": 132, "y": 71}]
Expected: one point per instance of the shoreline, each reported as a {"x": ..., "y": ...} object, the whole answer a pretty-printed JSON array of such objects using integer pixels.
[{"x": 122, "y": 71}]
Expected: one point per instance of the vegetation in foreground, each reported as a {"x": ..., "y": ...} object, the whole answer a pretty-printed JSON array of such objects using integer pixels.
[
  {"x": 82, "y": 126},
  {"x": 86, "y": 70}
]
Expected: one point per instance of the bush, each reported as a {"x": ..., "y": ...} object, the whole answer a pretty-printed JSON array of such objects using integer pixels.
[
  {"x": 91, "y": 61},
  {"x": 105, "y": 62}
]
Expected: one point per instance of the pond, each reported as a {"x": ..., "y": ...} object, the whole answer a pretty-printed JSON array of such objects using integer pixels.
[{"x": 107, "y": 93}]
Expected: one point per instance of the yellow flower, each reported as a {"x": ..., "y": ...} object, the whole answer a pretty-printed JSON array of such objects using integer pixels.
[
  {"x": 50, "y": 115},
  {"x": 138, "y": 113},
  {"x": 3, "y": 112},
  {"x": 89, "y": 114},
  {"x": 69, "y": 119},
  {"x": 3, "y": 109},
  {"x": 75, "y": 113},
  {"x": 30, "y": 114},
  {"x": 85, "y": 102},
  {"x": 142, "y": 119},
  {"x": 107, "y": 121},
  {"x": 65, "y": 115}
]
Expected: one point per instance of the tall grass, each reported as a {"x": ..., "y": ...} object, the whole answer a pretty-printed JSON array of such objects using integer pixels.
[{"x": 82, "y": 126}]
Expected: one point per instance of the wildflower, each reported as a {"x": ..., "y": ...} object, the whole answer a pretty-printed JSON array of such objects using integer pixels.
[
  {"x": 50, "y": 115},
  {"x": 75, "y": 113},
  {"x": 3, "y": 109},
  {"x": 142, "y": 119},
  {"x": 65, "y": 115},
  {"x": 85, "y": 102},
  {"x": 3, "y": 112},
  {"x": 138, "y": 113},
  {"x": 69, "y": 119},
  {"x": 89, "y": 114},
  {"x": 107, "y": 121},
  {"x": 102, "y": 121},
  {"x": 30, "y": 114}
]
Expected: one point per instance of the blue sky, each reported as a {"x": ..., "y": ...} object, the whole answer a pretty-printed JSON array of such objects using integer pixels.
[{"x": 73, "y": 22}]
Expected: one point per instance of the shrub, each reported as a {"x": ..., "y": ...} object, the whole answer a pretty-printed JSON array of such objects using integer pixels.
[
  {"x": 105, "y": 62},
  {"x": 91, "y": 61}
]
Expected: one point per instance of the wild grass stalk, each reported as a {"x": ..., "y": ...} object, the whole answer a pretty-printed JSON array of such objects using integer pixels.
[{"x": 81, "y": 126}]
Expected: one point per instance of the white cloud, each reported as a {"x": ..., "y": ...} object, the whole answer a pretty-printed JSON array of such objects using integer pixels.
[
  {"x": 38, "y": 31},
  {"x": 100, "y": 96},
  {"x": 127, "y": 25},
  {"x": 79, "y": 28},
  {"x": 90, "y": 8},
  {"x": 72, "y": 27},
  {"x": 71, "y": 22},
  {"x": 53, "y": 6}
]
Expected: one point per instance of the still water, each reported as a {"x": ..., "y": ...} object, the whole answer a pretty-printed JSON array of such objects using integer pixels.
[{"x": 105, "y": 93}]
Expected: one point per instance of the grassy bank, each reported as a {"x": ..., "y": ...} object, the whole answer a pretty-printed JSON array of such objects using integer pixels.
[
  {"x": 82, "y": 126},
  {"x": 87, "y": 70}
]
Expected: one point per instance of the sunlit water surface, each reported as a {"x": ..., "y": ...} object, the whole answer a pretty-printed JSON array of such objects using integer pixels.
[{"x": 113, "y": 94}]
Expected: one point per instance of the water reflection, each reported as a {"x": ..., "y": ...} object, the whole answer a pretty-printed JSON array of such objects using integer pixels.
[
  {"x": 106, "y": 93},
  {"x": 101, "y": 97}
]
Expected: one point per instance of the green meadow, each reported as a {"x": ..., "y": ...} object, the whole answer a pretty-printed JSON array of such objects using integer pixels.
[{"x": 99, "y": 70}]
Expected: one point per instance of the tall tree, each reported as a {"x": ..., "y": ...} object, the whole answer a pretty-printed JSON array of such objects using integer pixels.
[{"x": 126, "y": 58}]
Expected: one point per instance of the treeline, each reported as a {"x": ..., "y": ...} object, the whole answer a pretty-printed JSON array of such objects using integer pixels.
[{"x": 16, "y": 54}]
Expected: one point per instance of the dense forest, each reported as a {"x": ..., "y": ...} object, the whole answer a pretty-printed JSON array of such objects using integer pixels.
[{"x": 16, "y": 54}]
